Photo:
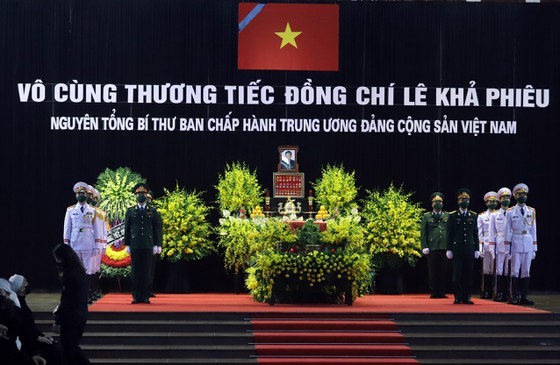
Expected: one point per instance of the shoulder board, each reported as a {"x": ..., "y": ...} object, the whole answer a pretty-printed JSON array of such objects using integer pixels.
[
  {"x": 472, "y": 212},
  {"x": 531, "y": 208},
  {"x": 510, "y": 208},
  {"x": 481, "y": 213},
  {"x": 453, "y": 212},
  {"x": 71, "y": 207}
]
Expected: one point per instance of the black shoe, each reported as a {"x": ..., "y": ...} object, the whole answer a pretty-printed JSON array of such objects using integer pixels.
[
  {"x": 499, "y": 297},
  {"x": 456, "y": 301},
  {"x": 152, "y": 295},
  {"x": 134, "y": 301},
  {"x": 515, "y": 301},
  {"x": 526, "y": 301},
  {"x": 484, "y": 295},
  {"x": 146, "y": 301},
  {"x": 468, "y": 302},
  {"x": 433, "y": 296}
]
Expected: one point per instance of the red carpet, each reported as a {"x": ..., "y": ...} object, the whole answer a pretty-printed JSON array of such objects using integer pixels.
[
  {"x": 369, "y": 339},
  {"x": 243, "y": 303}
]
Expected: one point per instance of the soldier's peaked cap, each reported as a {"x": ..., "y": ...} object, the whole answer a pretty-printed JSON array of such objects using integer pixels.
[
  {"x": 140, "y": 188},
  {"x": 80, "y": 186},
  {"x": 437, "y": 196},
  {"x": 520, "y": 188},
  {"x": 504, "y": 191},
  {"x": 491, "y": 195},
  {"x": 463, "y": 193}
]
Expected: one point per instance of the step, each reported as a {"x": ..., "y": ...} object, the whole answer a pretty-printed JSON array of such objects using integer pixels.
[
  {"x": 484, "y": 339},
  {"x": 328, "y": 337},
  {"x": 168, "y": 338},
  {"x": 303, "y": 325},
  {"x": 325, "y": 350},
  {"x": 157, "y": 326},
  {"x": 171, "y": 351},
  {"x": 189, "y": 361},
  {"x": 338, "y": 360},
  {"x": 528, "y": 353}
]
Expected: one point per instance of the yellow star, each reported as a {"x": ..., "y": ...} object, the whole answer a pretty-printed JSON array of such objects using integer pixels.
[{"x": 288, "y": 37}]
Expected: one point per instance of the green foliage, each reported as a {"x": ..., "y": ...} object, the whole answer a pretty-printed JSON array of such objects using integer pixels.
[
  {"x": 272, "y": 232},
  {"x": 309, "y": 234},
  {"x": 392, "y": 226},
  {"x": 238, "y": 188},
  {"x": 115, "y": 188},
  {"x": 319, "y": 272},
  {"x": 336, "y": 189},
  {"x": 185, "y": 226},
  {"x": 115, "y": 272},
  {"x": 345, "y": 231},
  {"x": 237, "y": 237}
]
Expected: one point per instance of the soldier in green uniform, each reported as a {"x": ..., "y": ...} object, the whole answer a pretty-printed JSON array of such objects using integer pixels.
[
  {"x": 143, "y": 235},
  {"x": 433, "y": 235},
  {"x": 462, "y": 246}
]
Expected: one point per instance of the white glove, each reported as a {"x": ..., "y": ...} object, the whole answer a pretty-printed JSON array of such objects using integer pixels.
[
  {"x": 480, "y": 254},
  {"x": 449, "y": 254},
  {"x": 154, "y": 250},
  {"x": 476, "y": 254},
  {"x": 480, "y": 247},
  {"x": 128, "y": 250},
  {"x": 426, "y": 251},
  {"x": 159, "y": 248},
  {"x": 534, "y": 255},
  {"x": 508, "y": 255}
]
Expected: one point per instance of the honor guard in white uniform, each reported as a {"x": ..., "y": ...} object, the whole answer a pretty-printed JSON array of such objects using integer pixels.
[
  {"x": 81, "y": 231},
  {"x": 503, "y": 254},
  {"x": 521, "y": 232},
  {"x": 103, "y": 226},
  {"x": 487, "y": 244}
]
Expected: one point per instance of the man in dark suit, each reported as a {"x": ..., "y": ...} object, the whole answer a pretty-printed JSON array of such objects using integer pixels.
[
  {"x": 462, "y": 246},
  {"x": 433, "y": 236},
  {"x": 143, "y": 235},
  {"x": 288, "y": 163}
]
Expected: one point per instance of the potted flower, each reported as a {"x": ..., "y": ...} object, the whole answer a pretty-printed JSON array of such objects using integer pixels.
[
  {"x": 392, "y": 230},
  {"x": 238, "y": 189},
  {"x": 186, "y": 229},
  {"x": 336, "y": 189}
]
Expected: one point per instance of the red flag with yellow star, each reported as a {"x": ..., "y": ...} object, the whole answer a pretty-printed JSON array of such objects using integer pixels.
[{"x": 288, "y": 37}]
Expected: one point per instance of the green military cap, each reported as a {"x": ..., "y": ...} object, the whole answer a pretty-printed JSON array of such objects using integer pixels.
[
  {"x": 463, "y": 193},
  {"x": 437, "y": 196},
  {"x": 140, "y": 188}
]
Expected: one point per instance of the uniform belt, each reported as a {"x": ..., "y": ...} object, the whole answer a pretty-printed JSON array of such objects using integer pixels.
[
  {"x": 82, "y": 230},
  {"x": 520, "y": 232}
]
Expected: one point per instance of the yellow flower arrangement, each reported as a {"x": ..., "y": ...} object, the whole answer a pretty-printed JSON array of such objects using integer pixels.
[
  {"x": 320, "y": 272},
  {"x": 336, "y": 189},
  {"x": 185, "y": 225},
  {"x": 392, "y": 226},
  {"x": 238, "y": 188}
]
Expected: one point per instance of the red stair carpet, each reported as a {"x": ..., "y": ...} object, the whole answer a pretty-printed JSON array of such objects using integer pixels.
[{"x": 318, "y": 339}]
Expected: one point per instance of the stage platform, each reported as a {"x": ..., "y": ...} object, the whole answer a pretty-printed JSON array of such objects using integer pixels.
[{"x": 243, "y": 303}]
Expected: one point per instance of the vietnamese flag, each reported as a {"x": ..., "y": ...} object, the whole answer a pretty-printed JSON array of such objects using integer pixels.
[{"x": 288, "y": 37}]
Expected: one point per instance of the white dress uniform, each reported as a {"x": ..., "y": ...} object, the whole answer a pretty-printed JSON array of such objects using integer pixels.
[
  {"x": 521, "y": 231},
  {"x": 486, "y": 241},
  {"x": 498, "y": 231},
  {"x": 81, "y": 232},
  {"x": 103, "y": 227}
]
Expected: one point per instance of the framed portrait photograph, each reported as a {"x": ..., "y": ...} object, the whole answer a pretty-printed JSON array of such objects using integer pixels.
[{"x": 288, "y": 159}]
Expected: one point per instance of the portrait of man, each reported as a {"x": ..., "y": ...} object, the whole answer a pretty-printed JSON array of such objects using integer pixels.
[{"x": 288, "y": 162}]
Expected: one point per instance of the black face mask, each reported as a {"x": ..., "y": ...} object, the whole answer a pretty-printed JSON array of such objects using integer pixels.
[
  {"x": 505, "y": 203},
  {"x": 141, "y": 199},
  {"x": 522, "y": 199},
  {"x": 81, "y": 198}
]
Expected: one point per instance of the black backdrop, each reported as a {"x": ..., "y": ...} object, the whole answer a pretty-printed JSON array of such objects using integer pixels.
[{"x": 195, "y": 42}]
